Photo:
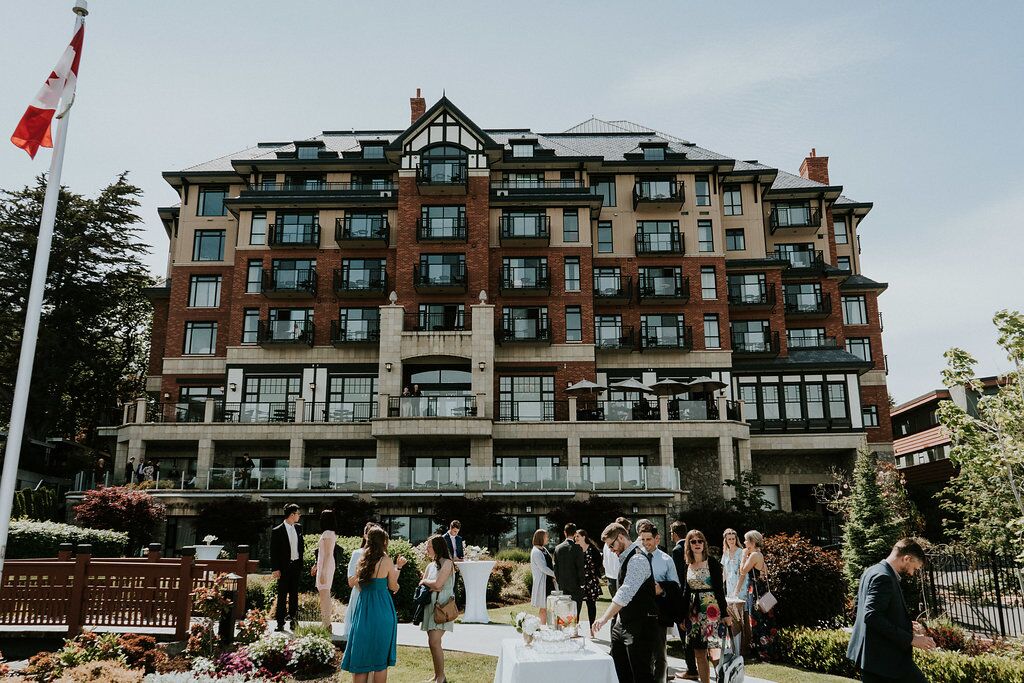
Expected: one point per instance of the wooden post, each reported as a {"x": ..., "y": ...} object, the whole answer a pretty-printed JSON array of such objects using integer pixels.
[
  {"x": 185, "y": 576},
  {"x": 79, "y": 592},
  {"x": 65, "y": 551},
  {"x": 154, "y": 552},
  {"x": 242, "y": 569}
]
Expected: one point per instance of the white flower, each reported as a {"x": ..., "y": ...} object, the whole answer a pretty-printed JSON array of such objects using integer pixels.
[
  {"x": 531, "y": 625},
  {"x": 202, "y": 665},
  {"x": 209, "y": 539}
]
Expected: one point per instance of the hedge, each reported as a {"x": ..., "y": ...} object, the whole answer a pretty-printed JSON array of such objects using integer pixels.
[
  {"x": 33, "y": 539},
  {"x": 807, "y": 581},
  {"x": 825, "y": 652}
]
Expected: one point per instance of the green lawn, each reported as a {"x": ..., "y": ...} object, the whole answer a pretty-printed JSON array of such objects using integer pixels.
[
  {"x": 502, "y": 615},
  {"x": 414, "y": 666},
  {"x": 785, "y": 674}
]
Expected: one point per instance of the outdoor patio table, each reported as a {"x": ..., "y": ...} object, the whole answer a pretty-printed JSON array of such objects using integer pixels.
[
  {"x": 474, "y": 576},
  {"x": 520, "y": 664}
]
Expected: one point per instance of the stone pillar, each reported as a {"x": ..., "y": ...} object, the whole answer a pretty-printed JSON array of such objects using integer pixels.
[
  {"x": 663, "y": 408},
  {"x": 390, "y": 383},
  {"x": 572, "y": 451},
  {"x": 137, "y": 450},
  {"x": 481, "y": 452},
  {"x": 208, "y": 410},
  {"x": 204, "y": 462},
  {"x": 666, "y": 451},
  {"x": 120, "y": 460},
  {"x": 483, "y": 352},
  {"x": 723, "y": 407},
  {"x": 727, "y": 465},
  {"x": 300, "y": 411},
  {"x": 296, "y": 453},
  {"x": 746, "y": 460},
  {"x": 388, "y": 459},
  {"x": 572, "y": 409},
  {"x": 140, "y": 410}
]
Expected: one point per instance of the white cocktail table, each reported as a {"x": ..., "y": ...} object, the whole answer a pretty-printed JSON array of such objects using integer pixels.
[{"x": 474, "y": 578}]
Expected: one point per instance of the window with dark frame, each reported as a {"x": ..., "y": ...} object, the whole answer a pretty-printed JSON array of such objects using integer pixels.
[
  {"x": 804, "y": 404},
  {"x": 855, "y": 310},
  {"x": 254, "y": 277},
  {"x": 860, "y": 347},
  {"x": 805, "y": 337},
  {"x": 258, "y": 229},
  {"x": 702, "y": 190},
  {"x": 708, "y": 285},
  {"x": 307, "y": 152},
  {"x": 373, "y": 151},
  {"x": 200, "y": 338},
  {"x": 204, "y": 291},
  {"x": 208, "y": 245},
  {"x": 712, "y": 333},
  {"x": 604, "y": 187},
  {"x": 869, "y": 415},
  {"x": 522, "y": 149},
  {"x": 570, "y": 225},
  {"x": 573, "y": 324},
  {"x": 839, "y": 225},
  {"x": 211, "y": 201},
  {"x": 705, "y": 236},
  {"x": 572, "y": 273},
  {"x": 654, "y": 153},
  {"x": 605, "y": 244},
  {"x": 250, "y": 325},
  {"x": 844, "y": 263},
  {"x": 733, "y": 200},
  {"x": 735, "y": 239}
]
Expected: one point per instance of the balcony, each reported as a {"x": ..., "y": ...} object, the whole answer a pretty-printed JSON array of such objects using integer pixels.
[
  {"x": 659, "y": 243},
  {"x": 663, "y": 288},
  {"x": 364, "y": 283},
  {"x": 256, "y": 412},
  {"x": 436, "y": 322},
  {"x": 613, "y": 288},
  {"x": 371, "y": 232},
  {"x": 442, "y": 177},
  {"x": 524, "y": 331},
  {"x": 340, "y": 411},
  {"x": 532, "y": 411},
  {"x": 321, "y": 190},
  {"x": 816, "y": 305},
  {"x": 344, "y": 334},
  {"x": 794, "y": 217},
  {"x": 525, "y": 231},
  {"x": 524, "y": 281},
  {"x": 678, "y": 338},
  {"x": 802, "y": 262},
  {"x": 614, "y": 338},
  {"x": 800, "y": 424},
  {"x": 432, "y": 406},
  {"x": 537, "y": 190},
  {"x": 285, "y": 333},
  {"x": 441, "y": 230},
  {"x": 620, "y": 410},
  {"x": 815, "y": 343},
  {"x": 762, "y": 296},
  {"x": 751, "y": 344},
  {"x": 439, "y": 279},
  {"x": 289, "y": 284},
  {"x": 657, "y": 192},
  {"x": 294, "y": 235}
]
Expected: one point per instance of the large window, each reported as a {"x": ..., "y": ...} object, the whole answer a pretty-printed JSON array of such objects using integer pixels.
[
  {"x": 608, "y": 330},
  {"x": 290, "y": 324},
  {"x": 733, "y": 201},
  {"x": 359, "y": 324},
  {"x": 839, "y": 224},
  {"x": 860, "y": 347},
  {"x": 798, "y": 403},
  {"x": 444, "y": 164},
  {"x": 708, "y": 287},
  {"x": 748, "y": 288},
  {"x": 444, "y": 221},
  {"x": 208, "y": 245},
  {"x": 436, "y": 317},
  {"x": 258, "y": 229},
  {"x": 525, "y": 470},
  {"x": 658, "y": 237},
  {"x": 572, "y": 273},
  {"x": 211, "y": 201},
  {"x": 204, "y": 291},
  {"x": 351, "y": 398},
  {"x": 750, "y": 335},
  {"x": 530, "y": 398},
  {"x": 702, "y": 190},
  {"x": 604, "y": 187},
  {"x": 254, "y": 277},
  {"x": 712, "y": 335},
  {"x": 525, "y": 322},
  {"x": 442, "y": 269},
  {"x": 844, "y": 263},
  {"x": 573, "y": 324},
  {"x": 662, "y": 330},
  {"x": 625, "y": 471},
  {"x": 654, "y": 153},
  {"x": 570, "y": 225},
  {"x": 607, "y": 281},
  {"x": 805, "y": 338},
  {"x": 522, "y": 149},
  {"x": 869, "y": 414},
  {"x": 250, "y": 325},
  {"x": 525, "y": 272},
  {"x": 735, "y": 239},
  {"x": 280, "y": 390},
  {"x": 705, "y": 236},
  {"x": 804, "y": 297},
  {"x": 605, "y": 244},
  {"x": 362, "y": 274},
  {"x": 200, "y": 338},
  {"x": 855, "y": 310},
  {"x": 373, "y": 151}
]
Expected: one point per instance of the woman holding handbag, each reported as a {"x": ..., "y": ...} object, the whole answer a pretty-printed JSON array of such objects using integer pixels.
[
  {"x": 439, "y": 616},
  {"x": 760, "y": 600}
]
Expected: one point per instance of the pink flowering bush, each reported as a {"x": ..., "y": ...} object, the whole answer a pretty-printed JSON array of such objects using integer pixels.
[{"x": 120, "y": 509}]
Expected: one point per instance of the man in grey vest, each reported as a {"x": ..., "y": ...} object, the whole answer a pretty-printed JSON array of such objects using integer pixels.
[{"x": 570, "y": 566}]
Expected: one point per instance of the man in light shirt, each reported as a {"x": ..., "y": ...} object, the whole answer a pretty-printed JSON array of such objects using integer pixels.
[
  {"x": 664, "y": 574},
  {"x": 286, "y": 562}
]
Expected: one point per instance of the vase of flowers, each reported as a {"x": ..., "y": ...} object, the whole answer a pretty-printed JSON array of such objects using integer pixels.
[
  {"x": 208, "y": 551},
  {"x": 528, "y": 625}
]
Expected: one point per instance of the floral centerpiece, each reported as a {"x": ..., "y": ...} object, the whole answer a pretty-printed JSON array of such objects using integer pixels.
[
  {"x": 208, "y": 551},
  {"x": 527, "y": 624},
  {"x": 474, "y": 553}
]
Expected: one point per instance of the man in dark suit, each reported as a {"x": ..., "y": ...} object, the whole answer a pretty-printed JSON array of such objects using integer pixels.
[
  {"x": 884, "y": 636},
  {"x": 286, "y": 563},
  {"x": 678, "y": 529},
  {"x": 456, "y": 546},
  {"x": 570, "y": 566}
]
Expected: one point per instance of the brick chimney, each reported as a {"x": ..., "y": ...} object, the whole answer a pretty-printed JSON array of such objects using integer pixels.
[
  {"x": 815, "y": 168},
  {"x": 417, "y": 106}
]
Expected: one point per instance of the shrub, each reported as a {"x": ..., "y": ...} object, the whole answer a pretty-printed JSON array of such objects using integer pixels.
[
  {"x": 209, "y": 600},
  {"x": 141, "y": 651},
  {"x": 714, "y": 521},
  {"x": 106, "y": 671},
  {"x": 270, "y": 652},
  {"x": 202, "y": 640},
  {"x": 519, "y": 555},
  {"x": 134, "y": 512},
  {"x": 504, "y": 585},
  {"x": 310, "y": 654},
  {"x": 807, "y": 581},
  {"x": 252, "y": 627},
  {"x": 312, "y": 630},
  {"x": 43, "y": 539},
  {"x": 951, "y": 637},
  {"x": 260, "y": 591},
  {"x": 236, "y": 662}
]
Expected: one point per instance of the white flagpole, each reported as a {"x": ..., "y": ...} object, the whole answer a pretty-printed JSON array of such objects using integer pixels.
[{"x": 33, "y": 309}]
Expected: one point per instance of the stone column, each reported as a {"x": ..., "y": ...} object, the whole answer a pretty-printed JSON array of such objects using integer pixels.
[
  {"x": 204, "y": 462},
  {"x": 208, "y": 410},
  {"x": 390, "y": 383},
  {"x": 727, "y": 465},
  {"x": 481, "y": 452},
  {"x": 296, "y": 453},
  {"x": 666, "y": 451},
  {"x": 483, "y": 352},
  {"x": 388, "y": 459},
  {"x": 140, "y": 410},
  {"x": 572, "y": 451},
  {"x": 120, "y": 460},
  {"x": 746, "y": 460},
  {"x": 572, "y": 408},
  {"x": 663, "y": 408}
]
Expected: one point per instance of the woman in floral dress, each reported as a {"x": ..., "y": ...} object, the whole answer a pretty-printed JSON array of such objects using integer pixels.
[
  {"x": 704, "y": 597},
  {"x": 592, "y": 573},
  {"x": 761, "y": 623}
]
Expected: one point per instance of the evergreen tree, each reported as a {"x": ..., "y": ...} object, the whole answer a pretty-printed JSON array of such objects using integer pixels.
[{"x": 871, "y": 527}]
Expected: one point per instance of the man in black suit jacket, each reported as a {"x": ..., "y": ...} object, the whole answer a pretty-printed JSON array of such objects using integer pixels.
[
  {"x": 678, "y": 529},
  {"x": 456, "y": 546},
  {"x": 884, "y": 637},
  {"x": 570, "y": 566},
  {"x": 286, "y": 562}
]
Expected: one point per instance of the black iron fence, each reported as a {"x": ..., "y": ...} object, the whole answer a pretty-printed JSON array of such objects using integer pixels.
[{"x": 978, "y": 592}]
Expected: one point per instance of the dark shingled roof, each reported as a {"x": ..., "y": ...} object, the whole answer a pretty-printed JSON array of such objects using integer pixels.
[
  {"x": 861, "y": 282},
  {"x": 806, "y": 359}
]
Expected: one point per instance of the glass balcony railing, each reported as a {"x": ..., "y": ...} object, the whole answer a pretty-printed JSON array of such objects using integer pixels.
[
  {"x": 294, "y": 235},
  {"x": 432, "y": 406},
  {"x": 653, "y": 243},
  {"x": 674, "y": 287},
  {"x": 284, "y": 332}
]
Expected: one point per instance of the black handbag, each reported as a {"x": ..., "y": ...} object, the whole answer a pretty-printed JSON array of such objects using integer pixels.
[{"x": 421, "y": 598}]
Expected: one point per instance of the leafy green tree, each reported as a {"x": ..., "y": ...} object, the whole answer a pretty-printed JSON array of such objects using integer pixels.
[
  {"x": 988, "y": 448},
  {"x": 93, "y": 335},
  {"x": 483, "y": 520},
  {"x": 749, "y": 496},
  {"x": 871, "y": 528}
]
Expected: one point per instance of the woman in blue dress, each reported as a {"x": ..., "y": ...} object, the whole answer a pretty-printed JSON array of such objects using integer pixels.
[{"x": 373, "y": 628}]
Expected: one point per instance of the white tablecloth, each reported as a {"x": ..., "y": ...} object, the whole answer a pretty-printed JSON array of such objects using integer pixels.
[
  {"x": 474, "y": 577},
  {"x": 520, "y": 664}
]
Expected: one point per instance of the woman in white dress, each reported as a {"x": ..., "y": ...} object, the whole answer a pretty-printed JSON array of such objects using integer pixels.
[
  {"x": 732, "y": 559},
  {"x": 323, "y": 570},
  {"x": 353, "y": 564},
  {"x": 541, "y": 568}
]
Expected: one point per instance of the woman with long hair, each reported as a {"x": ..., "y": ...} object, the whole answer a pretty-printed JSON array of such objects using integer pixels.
[
  {"x": 439, "y": 577},
  {"x": 593, "y": 569},
  {"x": 353, "y": 564},
  {"x": 732, "y": 558},
  {"x": 704, "y": 597},
  {"x": 373, "y": 632},
  {"x": 323, "y": 570},
  {"x": 754, "y": 566},
  {"x": 542, "y": 572}
]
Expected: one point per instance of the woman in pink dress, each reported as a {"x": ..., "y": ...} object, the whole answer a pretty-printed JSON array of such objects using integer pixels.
[{"x": 323, "y": 570}]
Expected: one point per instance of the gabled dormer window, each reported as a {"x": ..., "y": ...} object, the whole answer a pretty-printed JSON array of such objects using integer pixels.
[
  {"x": 373, "y": 151},
  {"x": 654, "y": 153},
  {"x": 307, "y": 152},
  {"x": 522, "y": 149}
]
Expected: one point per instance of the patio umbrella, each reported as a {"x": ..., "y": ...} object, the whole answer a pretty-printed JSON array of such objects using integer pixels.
[
  {"x": 704, "y": 385},
  {"x": 669, "y": 387},
  {"x": 585, "y": 386},
  {"x": 631, "y": 385}
]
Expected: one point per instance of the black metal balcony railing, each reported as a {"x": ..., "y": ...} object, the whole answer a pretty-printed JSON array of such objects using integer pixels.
[
  {"x": 436, "y": 322},
  {"x": 360, "y": 281},
  {"x": 617, "y": 410},
  {"x": 678, "y": 337},
  {"x": 800, "y": 424},
  {"x": 442, "y": 229},
  {"x": 182, "y": 411},
  {"x": 354, "y": 332},
  {"x": 527, "y": 188},
  {"x": 659, "y": 242},
  {"x": 525, "y": 279},
  {"x": 524, "y": 330},
  {"x": 763, "y": 295},
  {"x": 527, "y": 228},
  {"x": 442, "y": 173},
  {"x": 532, "y": 411},
  {"x": 613, "y": 288},
  {"x": 297, "y": 332},
  {"x": 657, "y": 191},
  {"x": 663, "y": 288},
  {"x": 794, "y": 217},
  {"x": 440, "y": 278},
  {"x": 614, "y": 337},
  {"x": 812, "y": 343},
  {"x": 362, "y": 230},
  {"x": 341, "y": 411},
  {"x": 256, "y": 411},
  {"x": 289, "y": 282},
  {"x": 294, "y": 235},
  {"x": 756, "y": 344},
  {"x": 809, "y": 304},
  {"x": 322, "y": 187},
  {"x": 432, "y": 406},
  {"x": 804, "y": 259}
]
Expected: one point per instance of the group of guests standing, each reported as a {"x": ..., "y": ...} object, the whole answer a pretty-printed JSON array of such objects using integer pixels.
[{"x": 653, "y": 591}]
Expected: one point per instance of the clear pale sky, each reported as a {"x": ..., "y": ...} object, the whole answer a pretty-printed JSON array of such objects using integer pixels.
[{"x": 918, "y": 105}]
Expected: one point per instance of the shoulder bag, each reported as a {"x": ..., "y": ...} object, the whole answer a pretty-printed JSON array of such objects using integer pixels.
[
  {"x": 446, "y": 611},
  {"x": 767, "y": 601}
]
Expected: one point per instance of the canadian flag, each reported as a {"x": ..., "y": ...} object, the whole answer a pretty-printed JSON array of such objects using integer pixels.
[{"x": 33, "y": 130}]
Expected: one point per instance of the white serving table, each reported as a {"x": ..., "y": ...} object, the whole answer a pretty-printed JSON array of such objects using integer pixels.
[
  {"x": 520, "y": 664},
  {"x": 474, "y": 578}
]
